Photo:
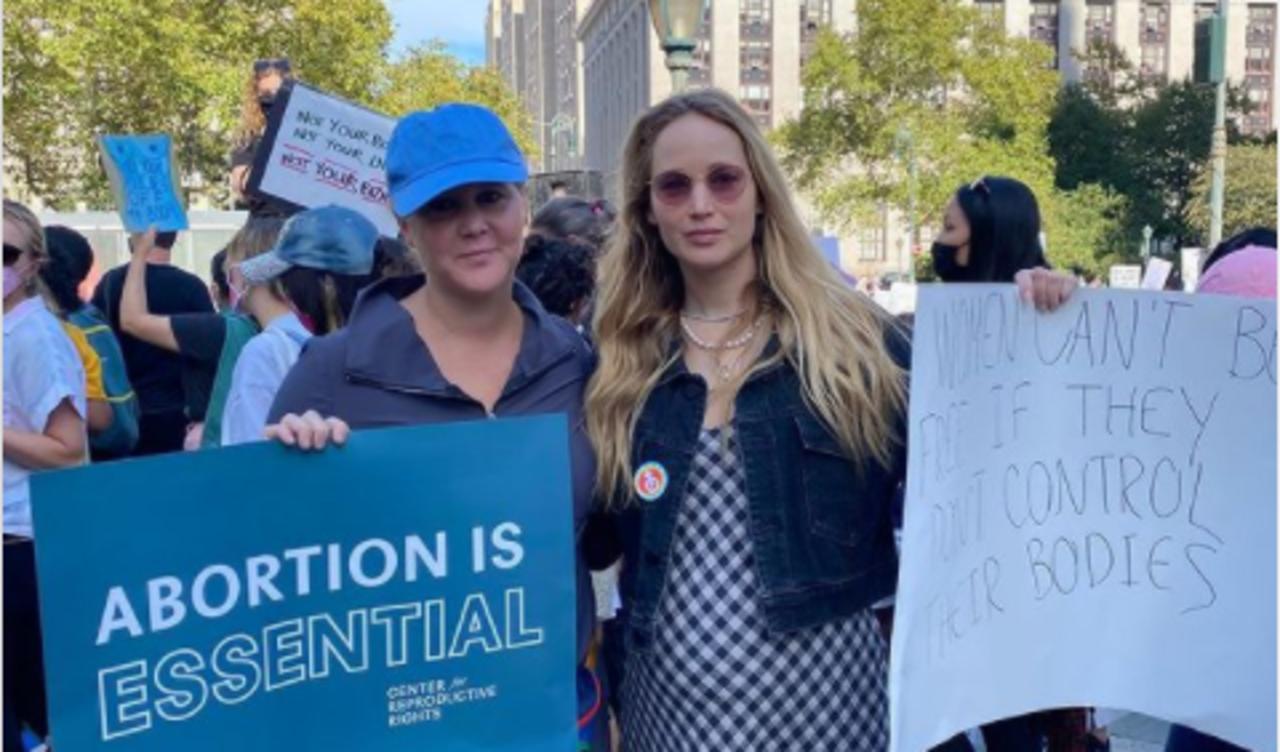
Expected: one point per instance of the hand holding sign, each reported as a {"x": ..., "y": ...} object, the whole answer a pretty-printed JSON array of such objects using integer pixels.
[
  {"x": 1090, "y": 513},
  {"x": 140, "y": 169}
]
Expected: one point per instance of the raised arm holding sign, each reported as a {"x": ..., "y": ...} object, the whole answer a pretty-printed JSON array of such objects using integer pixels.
[{"x": 144, "y": 181}]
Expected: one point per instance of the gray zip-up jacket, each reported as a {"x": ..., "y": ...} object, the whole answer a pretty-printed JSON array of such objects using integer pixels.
[{"x": 376, "y": 372}]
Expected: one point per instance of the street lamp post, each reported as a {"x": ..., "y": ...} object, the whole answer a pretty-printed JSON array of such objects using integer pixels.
[
  {"x": 1218, "y": 150},
  {"x": 905, "y": 144},
  {"x": 676, "y": 23},
  {"x": 1146, "y": 242}
]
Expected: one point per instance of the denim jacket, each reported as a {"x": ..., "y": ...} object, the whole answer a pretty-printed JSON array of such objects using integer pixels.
[{"x": 820, "y": 524}]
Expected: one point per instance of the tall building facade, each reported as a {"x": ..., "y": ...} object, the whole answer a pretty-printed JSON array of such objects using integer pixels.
[
  {"x": 603, "y": 66},
  {"x": 753, "y": 48},
  {"x": 536, "y": 49},
  {"x": 1158, "y": 39}
]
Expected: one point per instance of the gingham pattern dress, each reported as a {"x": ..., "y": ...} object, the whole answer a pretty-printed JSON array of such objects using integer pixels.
[{"x": 715, "y": 678}]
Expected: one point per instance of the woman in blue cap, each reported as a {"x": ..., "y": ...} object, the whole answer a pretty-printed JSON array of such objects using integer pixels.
[
  {"x": 311, "y": 277},
  {"x": 464, "y": 341}
]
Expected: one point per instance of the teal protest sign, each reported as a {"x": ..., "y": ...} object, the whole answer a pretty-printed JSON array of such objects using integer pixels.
[
  {"x": 143, "y": 180},
  {"x": 412, "y": 590}
]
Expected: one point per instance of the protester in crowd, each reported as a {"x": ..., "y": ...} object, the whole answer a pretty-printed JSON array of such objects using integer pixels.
[
  {"x": 1243, "y": 265},
  {"x": 211, "y": 342},
  {"x": 171, "y": 392},
  {"x": 323, "y": 258},
  {"x": 725, "y": 336},
  {"x": 991, "y": 233},
  {"x": 112, "y": 405},
  {"x": 219, "y": 290},
  {"x": 260, "y": 94},
  {"x": 392, "y": 258},
  {"x": 577, "y": 219},
  {"x": 466, "y": 340},
  {"x": 561, "y": 273},
  {"x": 44, "y": 428},
  {"x": 1261, "y": 237}
]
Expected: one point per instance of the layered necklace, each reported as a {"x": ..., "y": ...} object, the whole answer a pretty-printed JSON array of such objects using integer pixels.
[{"x": 726, "y": 368}]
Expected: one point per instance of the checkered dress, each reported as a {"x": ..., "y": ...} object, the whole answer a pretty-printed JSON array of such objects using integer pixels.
[{"x": 716, "y": 679}]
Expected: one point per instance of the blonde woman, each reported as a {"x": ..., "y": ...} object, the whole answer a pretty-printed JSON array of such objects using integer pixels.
[
  {"x": 44, "y": 429},
  {"x": 748, "y": 417}
]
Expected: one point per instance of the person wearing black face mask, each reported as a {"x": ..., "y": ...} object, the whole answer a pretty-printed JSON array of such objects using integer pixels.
[
  {"x": 261, "y": 93},
  {"x": 991, "y": 233}
]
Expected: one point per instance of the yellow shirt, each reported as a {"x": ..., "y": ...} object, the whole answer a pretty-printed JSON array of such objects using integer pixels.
[{"x": 93, "y": 388}]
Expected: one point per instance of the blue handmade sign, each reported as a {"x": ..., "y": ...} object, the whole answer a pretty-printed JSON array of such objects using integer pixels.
[
  {"x": 411, "y": 590},
  {"x": 140, "y": 169}
]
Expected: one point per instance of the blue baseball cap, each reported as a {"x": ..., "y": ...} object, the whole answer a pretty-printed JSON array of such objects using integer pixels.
[
  {"x": 329, "y": 238},
  {"x": 435, "y": 151}
]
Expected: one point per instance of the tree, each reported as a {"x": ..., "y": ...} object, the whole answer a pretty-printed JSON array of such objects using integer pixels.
[
  {"x": 428, "y": 76},
  {"x": 1080, "y": 125},
  {"x": 1249, "y": 198},
  {"x": 1087, "y": 226},
  {"x": 973, "y": 101},
  {"x": 80, "y": 68}
]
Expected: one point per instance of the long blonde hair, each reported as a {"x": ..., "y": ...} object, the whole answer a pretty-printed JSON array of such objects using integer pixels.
[
  {"x": 23, "y": 217},
  {"x": 832, "y": 336},
  {"x": 252, "y": 122}
]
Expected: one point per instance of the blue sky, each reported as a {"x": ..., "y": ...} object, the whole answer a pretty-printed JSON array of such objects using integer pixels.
[{"x": 460, "y": 23}]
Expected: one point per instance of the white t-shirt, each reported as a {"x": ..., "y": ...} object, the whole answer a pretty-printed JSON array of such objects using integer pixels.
[
  {"x": 41, "y": 369},
  {"x": 259, "y": 372}
]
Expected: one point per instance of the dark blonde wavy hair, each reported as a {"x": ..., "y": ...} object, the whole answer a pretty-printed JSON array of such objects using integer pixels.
[
  {"x": 832, "y": 336},
  {"x": 252, "y": 122}
]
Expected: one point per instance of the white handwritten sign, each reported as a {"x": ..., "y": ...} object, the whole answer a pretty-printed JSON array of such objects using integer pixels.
[
  {"x": 1091, "y": 513},
  {"x": 1125, "y": 276},
  {"x": 323, "y": 150}
]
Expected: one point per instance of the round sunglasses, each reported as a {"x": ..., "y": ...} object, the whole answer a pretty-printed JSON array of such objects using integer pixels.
[{"x": 725, "y": 183}]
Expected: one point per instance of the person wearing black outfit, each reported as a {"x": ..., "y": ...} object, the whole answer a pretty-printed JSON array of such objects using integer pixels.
[
  {"x": 171, "y": 392},
  {"x": 261, "y": 91}
]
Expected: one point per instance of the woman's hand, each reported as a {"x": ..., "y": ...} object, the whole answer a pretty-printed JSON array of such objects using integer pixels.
[
  {"x": 308, "y": 431},
  {"x": 1046, "y": 288}
]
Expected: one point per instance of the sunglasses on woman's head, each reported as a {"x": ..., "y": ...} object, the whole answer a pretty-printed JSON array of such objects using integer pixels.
[
  {"x": 11, "y": 254},
  {"x": 725, "y": 182},
  {"x": 980, "y": 186},
  {"x": 271, "y": 63}
]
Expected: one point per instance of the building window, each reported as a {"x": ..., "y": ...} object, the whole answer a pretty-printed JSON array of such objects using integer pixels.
[
  {"x": 814, "y": 15},
  {"x": 756, "y": 19},
  {"x": 755, "y": 26},
  {"x": 871, "y": 245},
  {"x": 1044, "y": 26},
  {"x": 992, "y": 11},
  {"x": 700, "y": 75},
  {"x": 1260, "y": 39},
  {"x": 1155, "y": 41},
  {"x": 1099, "y": 21}
]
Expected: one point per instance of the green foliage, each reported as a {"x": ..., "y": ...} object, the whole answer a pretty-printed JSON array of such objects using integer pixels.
[
  {"x": 1251, "y": 198},
  {"x": 428, "y": 76},
  {"x": 970, "y": 100},
  {"x": 1142, "y": 140},
  {"x": 80, "y": 68},
  {"x": 1086, "y": 224}
]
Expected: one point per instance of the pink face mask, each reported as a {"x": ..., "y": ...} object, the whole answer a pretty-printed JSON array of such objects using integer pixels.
[{"x": 14, "y": 278}]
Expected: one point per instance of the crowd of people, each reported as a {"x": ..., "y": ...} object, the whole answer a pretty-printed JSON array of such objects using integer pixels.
[{"x": 695, "y": 327}]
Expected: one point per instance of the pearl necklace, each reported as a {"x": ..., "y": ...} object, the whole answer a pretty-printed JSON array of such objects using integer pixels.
[{"x": 730, "y": 344}]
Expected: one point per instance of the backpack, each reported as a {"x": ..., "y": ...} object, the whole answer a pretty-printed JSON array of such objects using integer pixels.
[{"x": 118, "y": 440}]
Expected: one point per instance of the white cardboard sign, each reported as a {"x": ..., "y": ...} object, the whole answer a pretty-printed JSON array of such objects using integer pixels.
[
  {"x": 1090, "y": 514},
  {"x": 1124, "y": 276},
  {"x": 324, "y": 150}
]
